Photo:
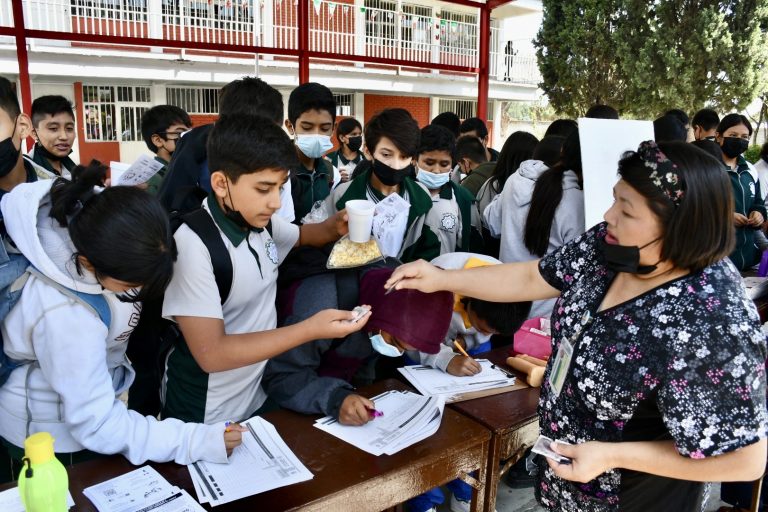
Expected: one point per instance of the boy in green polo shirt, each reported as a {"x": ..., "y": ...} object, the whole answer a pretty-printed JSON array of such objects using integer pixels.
[
  {"x": 391, "y": 142},
  {"x": 215, "y": 373},
  {"x": 311, "y": 121},
  {"x": 161, "y": 128}
]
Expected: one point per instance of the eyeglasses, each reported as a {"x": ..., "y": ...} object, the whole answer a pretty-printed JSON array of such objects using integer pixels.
[{"x": 165, "y": 135}]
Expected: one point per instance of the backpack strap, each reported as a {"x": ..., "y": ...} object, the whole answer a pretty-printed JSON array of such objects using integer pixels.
[
  {"x": 203, "y": 225},
  {"x": 96, "y": 302}
]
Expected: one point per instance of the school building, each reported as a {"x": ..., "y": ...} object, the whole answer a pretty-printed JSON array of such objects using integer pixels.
[{"x": 114, "y": 59}]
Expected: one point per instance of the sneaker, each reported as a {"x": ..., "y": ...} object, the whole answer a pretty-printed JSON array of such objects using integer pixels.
[{"x": 458, "y": 505}]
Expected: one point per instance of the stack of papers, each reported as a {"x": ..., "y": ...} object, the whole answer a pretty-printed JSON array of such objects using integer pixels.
[
  {"x": 406, "y": 419},
  {"x": 434, "y": 382},
  {"x": 137, "y": 173},
  {"x": 263, "y": 462},
  {"x": 141, "y": 490}
]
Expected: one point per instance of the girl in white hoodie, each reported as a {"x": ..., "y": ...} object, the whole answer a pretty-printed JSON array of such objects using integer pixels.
[
  {"x": 540, "y": 209},
  {"x": 117, "y": 243}
]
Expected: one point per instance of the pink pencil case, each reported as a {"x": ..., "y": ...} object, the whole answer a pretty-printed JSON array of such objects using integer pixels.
[{"x": 528, "y": 341}]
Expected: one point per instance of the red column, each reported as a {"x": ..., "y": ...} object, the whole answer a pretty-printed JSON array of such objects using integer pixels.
[
  {"x": 22, "y": 56},
  {"x": 484, "y": 63},
  {"x": 303, "y": 41}
]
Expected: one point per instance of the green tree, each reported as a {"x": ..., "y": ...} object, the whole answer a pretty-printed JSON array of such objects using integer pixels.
[{"x": 644, "y": 57}]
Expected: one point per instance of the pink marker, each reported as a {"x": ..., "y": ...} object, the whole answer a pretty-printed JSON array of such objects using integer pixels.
[{"x": 375, "y": 413}]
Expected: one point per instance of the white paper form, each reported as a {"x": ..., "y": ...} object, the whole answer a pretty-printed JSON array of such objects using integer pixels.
[
  {"x": 10, "y": 501},
  {"x": 390, "y": 221},
  {"x": 407, "y": 418},
  {"x": 137, "y": 173},
  {"x": 432, "y": 381},
  {"x": 130, "y": 492},
  {"x": 261, "y": 463}
]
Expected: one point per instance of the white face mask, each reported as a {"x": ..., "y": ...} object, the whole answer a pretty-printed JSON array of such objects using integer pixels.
[
  {"x": 384, "y": 348},
  {"x": 313, "y": 145}
]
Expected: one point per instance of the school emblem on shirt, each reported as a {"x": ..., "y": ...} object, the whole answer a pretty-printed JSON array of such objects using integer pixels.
[
  {"x": 271, "y": 249},
  {"x": 448, "y": 222}
]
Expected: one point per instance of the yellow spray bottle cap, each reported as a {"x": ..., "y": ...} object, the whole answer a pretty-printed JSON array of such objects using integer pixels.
[{"x": 39, "y": 447}]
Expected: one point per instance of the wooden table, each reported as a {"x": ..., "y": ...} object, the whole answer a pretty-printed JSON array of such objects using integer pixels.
[
  {"x": 346, "y": 478},
  {"x": 513, "y": 421}
]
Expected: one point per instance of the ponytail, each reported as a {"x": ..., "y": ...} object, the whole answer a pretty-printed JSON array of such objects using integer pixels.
[
  {"x": 123, "y": 232},
  {"x": 547, "y": 194}
]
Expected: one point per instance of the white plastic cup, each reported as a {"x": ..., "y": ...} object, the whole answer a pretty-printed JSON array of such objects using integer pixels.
[{"x": 360, "y": 213}]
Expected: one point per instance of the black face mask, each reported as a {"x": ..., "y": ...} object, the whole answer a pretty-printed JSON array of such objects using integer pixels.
[
  {"x": 624, "y": 258},
  {"x": 43, "y": 151},
  {"x": 237, "y": 217},
  {"x": 389, "y": 176},
  {"x": 9, "y": 155},
  {"x": 734, "y": 146},
  {"x": 355, "y": 143}
]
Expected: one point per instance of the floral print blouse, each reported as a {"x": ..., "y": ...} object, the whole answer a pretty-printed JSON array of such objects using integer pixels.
[{"x": 692, "y": 347}]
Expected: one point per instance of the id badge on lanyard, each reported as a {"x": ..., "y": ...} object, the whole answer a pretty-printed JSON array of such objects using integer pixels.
[{"x": 564, "y": 357}]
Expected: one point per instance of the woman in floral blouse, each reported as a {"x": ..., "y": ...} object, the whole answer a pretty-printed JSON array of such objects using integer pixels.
[{"x": 665, "y": 385}]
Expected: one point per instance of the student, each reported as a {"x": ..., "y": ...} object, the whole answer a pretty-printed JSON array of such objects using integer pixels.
[
  {"x": 517, "y": 149},
  {"x": 162, "y": 127},
  {"x": 540, "y": 209},
  {"x": 733, "y": 135},
  {"x": 189, "y": 166},
  {"x": 705, "y": 123},
  {"x": 349, "y": 133},
  {"x": 453, "y": 216},
  {"x": 450, "y": 121},
  {"x": 15, "y": 126},
  {"x": 311, "y": 120},
  {"x": 391, "y": 142},
  {"x": 115, "y": 245},
  {"x": 472, "y": 160},
  {"x": 682, "y": 117},
  {"x": 602, "y": 112},
  {"x": 475, "y": 127},
  {"x": 561, "y": 128},
  {"x": 669, "y": 128},
  {"x": 54, "y": 131},
  {"x": 214, "y": 373}
]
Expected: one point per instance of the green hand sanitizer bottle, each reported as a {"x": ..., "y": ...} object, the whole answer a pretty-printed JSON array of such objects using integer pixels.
[{"x": 43, "y": 481}]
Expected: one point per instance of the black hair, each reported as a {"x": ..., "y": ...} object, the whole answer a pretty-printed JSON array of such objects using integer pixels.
[
  {"x": 123, "y": 232},
  {"x": 561, "y": 127},
  {"x": 548, "y": 149},
  {"x": 436, "y": 138},
  {"x": 547, "y": 194},
  {"x": 602, "y": 112},
  {"x": 680, "y": 114},
  {"x": 8, "y": 99},
  {"x": 706, "y": 118},
  {"x": 504, "y": 318},
  {"x": 517, "y": 149},
  {"x": 669, "y": 128},
  {"x": 711, "y": 147},
  {"x": 448, "y": 120},
  {"x": 50, "y": 106},
  {"x": 474, "y": 124},
  {"x": 472, "y": 148},
  {"x": 158, "y": 119},
  {"x": 241, "y": 144},
  {"x": 764, "y": 152},
  {"x": 732, "y": 120},
  {"x": 251, "y": 96},
  {"x": 347, "y": 126},
  {"x": 310, "y": 96},
  {"x": 707, "y": 204},
  {"x": 396, "y": 124}
]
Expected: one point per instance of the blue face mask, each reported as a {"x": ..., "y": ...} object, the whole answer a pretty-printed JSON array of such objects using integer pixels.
[
  {"x": 384, "y": 348},
  {"x": 313, "y": 145},
  {"x": 432, "y": 180}
]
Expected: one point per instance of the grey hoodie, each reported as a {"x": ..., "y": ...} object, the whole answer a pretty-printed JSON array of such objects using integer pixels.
[{"x": 508, "y": 212}]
